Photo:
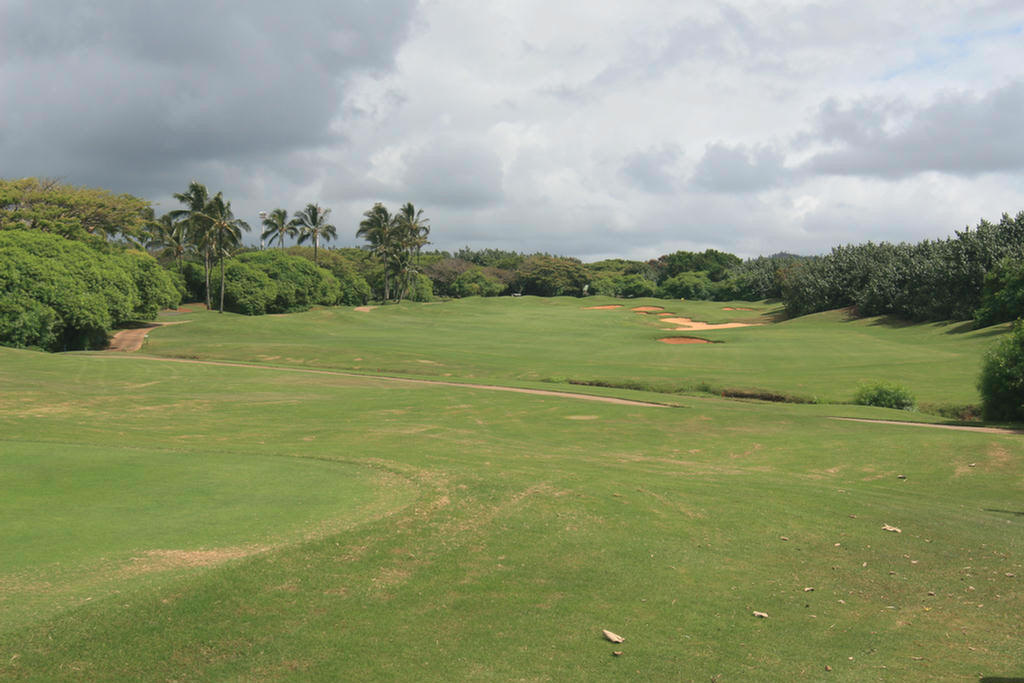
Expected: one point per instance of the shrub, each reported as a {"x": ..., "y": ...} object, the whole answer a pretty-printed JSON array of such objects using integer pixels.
[
  {"x": 687, "y": 285},
  {"x": 635, "y": 286},
  {"x": 475, "y": 282},
  {"x": 421, "y": 289},
  {"x": 299, "y": 283},
  {"x": 90, "y": 292},
  {"x": 26, "y": 323},
  {"x": 353, "y": 289},
  {"x": 154, "y": 283},
  {"x": 195, "y": 281},
  {"x": 885, "y": 395},
  {"x": 1002, "y": 378},
  {"x": 247, "y": 290}
]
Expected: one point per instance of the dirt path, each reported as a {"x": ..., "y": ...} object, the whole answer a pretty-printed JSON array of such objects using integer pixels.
[
  {"x": 131, "y": 340},
  {"x": 984, "y": 430},
  {"x": 384, "y": 378}
]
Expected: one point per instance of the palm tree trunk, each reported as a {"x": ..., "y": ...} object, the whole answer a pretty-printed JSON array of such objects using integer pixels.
[
  {"x": 386, "y": 291},
  {"x": 316, "y": 245},
  {"x": 206, "y": 268},
  {"x": 222, "y": 283}
]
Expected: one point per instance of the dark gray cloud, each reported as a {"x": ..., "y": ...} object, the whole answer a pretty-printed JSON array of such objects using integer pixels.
[
  {"x": 739, "y": 168},
  {"x": 125, "y": 93},
  {"x": 958, "y": 133}
]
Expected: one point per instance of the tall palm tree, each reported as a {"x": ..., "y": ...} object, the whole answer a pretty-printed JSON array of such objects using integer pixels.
[
  {"x": 276, "y": 225},
  {"x": 312, "y": 223},
  {"x": 378, "y": 228},
  {"x": 410, "y": 237},
  {"x": 225, "y": 233},
  {"x": 170, "y": 237},
  {"x": 195, "y": 199}
]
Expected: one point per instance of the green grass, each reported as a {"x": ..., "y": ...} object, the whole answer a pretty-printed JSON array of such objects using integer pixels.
[
  {"x": 822, "y": 357},
  {"x": 352, "y": 528}
]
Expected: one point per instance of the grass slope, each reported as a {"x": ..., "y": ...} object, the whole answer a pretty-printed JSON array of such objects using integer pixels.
[
  {"x": 419, "y": 532},
  {"x": 527, "y": 340}
]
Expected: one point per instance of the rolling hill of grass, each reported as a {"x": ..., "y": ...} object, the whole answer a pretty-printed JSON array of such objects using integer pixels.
[
  {"x": 179, "y": 521},
  {"x": 527, "y": 340}
]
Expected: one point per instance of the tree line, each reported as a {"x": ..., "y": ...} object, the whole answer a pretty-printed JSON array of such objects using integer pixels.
[{"x": 976, "y": 273}]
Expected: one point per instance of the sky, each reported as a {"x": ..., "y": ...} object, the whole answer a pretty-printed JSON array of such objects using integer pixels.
[{"x": 588, "y": 128}]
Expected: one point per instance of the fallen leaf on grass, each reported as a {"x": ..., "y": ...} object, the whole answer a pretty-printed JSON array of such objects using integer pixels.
[
  {"x": 889, "y": 527},
  {"x": 617, "y": 653},
  {"x": 613, "y": 637},
  {"x": 808, "y": 589},
  {"x": 761, "y": 615}
]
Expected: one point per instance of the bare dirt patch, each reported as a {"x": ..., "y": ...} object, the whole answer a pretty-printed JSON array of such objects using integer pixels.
[
  {"x": 131, "y": 340},
  {"x": 689, "y": 324},
  {"x": 164, "y": 560},
  {"x": 602, "y": 308},
  {"x": 582, "y": 417},
  {"x": 647, "y": 309},
  {"x": 683, "y": 340}
]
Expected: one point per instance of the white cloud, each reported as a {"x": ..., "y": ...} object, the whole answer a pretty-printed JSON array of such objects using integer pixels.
[{"x": 613, "y": 128}]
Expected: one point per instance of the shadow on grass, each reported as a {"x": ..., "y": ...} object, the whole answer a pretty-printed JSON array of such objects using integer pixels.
[
  {"x": 1018, "y": 513},
  {"x": 1001, "y": 679},
  {"x": 137, "y": 324}
]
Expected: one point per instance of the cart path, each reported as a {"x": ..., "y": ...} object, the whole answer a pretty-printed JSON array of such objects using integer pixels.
[
  {"x": 131, "y": 340},
  {"x": 961, "y": 428},
  {"x": 385, "y": 378}
]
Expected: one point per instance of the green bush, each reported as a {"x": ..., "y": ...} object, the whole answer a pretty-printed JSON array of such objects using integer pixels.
[
  {"x": 195, "y": 281},
  {"x": 88, "y": 290},
  {"x": 299, "y": 283},
  {"x": 475, "y": 282},
  {"x": 688, "y": 285},
  {"x": 422, "y": 289},
  {"x": 247, "y": 290},
  {"x": 343, "y": 264},
  {"x": 885, "y": 395},
  {"x": 26, "y": 323},
  {"x": 1002, "y": 378},
  {"x": 155, "y": 285}
]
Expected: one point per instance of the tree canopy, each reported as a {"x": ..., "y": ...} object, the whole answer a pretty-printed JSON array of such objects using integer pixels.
[{"x": 74, "y": 212}]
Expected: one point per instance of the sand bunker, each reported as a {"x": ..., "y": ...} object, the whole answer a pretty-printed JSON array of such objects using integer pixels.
[
  {"x": 364, "y": 309},
  {"x": 688, "y": 324},
  {"x": 602, "y": 308},
  {"x": 730, "y": 308},
  {"x": 683, "y": 340},
  {"x": 647, "y": 309}
]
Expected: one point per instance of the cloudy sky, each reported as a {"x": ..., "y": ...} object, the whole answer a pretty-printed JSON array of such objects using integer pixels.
[{"x": 590, "y": 128}]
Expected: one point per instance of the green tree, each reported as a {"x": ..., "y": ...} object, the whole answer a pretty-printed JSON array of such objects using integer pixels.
[
  {"x": 225, "y": 233},
  {"x": 312, "y": 224},
  {"x": 1001, "y": 383},
  {"x": 545, "y": 275},
  {"x": 410, "y": 236},
  {"x": 195, "y": 199},
  {"x": 170, "y": 239},
  {"x": 277, "y": 226},
  {"x": 377, "y": 228},
  {"x": 73, "y": 212}
]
